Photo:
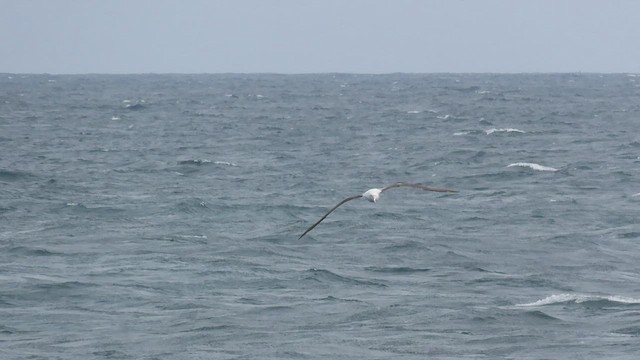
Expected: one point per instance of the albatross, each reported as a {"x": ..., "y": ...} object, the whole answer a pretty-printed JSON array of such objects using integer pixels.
[{"x": 373, "y": 195}]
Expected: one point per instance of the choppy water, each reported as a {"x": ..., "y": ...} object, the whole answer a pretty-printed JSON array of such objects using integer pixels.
[{"x": 157, "y": 217}]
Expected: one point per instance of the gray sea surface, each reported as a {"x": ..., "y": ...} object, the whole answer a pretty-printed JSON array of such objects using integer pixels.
[{"x": 158, "y": 216}]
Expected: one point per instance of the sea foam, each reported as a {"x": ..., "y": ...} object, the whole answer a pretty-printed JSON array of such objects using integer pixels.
[
  {"x": 533, "y": 166},
  {"x": 580, "y": 298},
  {"x": 507, "y": 130}
]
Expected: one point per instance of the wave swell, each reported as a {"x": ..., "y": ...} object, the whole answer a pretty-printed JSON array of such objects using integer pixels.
[
  {"x": 507, "y": 130},
  {"x": 581, "y": 298},
  {"x": 533, "y": 166}
]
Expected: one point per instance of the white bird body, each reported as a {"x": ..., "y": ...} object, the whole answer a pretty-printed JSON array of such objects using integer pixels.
[{"x": 373, "y": 195}]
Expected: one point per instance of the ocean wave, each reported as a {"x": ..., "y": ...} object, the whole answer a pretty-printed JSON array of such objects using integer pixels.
[
  {"x": 430, "y": 111},
  {"x": 581, "y": 298},
  {"x": 507, "y": 130},
  {"x": 322, "y": 276},
  {"x": 336, "y": 299},
  {"x": 533, "y": 166},
  {"x": 200, "y": 239},
  {"x": 629, "y": 235},
  {"x": 225, "y": 163},
  {"x": 205, "y": 161},
  {"x": 97, "y": 210},
  {"x": 12, "y": 175},
  {"x": 537, "y": 315},
  {"x": 138, "y": 105},
  {"x": 29, "y": 251},
  {"x": 64, "y": 285},
  {"x": 7, "y": 209},
  {"x": 192, "y": 206},
  {"x": 631, "y": 330},
  {"x": 397, "y": 269}
]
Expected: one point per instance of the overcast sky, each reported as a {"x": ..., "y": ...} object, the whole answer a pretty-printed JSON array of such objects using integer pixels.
[{"x": 315, "y": 36}]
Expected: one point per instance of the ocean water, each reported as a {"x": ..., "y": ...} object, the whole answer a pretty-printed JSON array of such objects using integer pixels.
[{"x": 158, "y": 216}]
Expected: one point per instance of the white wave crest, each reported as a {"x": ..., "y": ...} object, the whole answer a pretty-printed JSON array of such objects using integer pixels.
[
  {"x": 225, "y": 163},
  {"x": 205, "y": 161},
  {"x": 508, "y": 130},
  {"x": 533, "y": 166},
  {"x": 191, "y": 236},
  {"x": 580, "y": 298}
]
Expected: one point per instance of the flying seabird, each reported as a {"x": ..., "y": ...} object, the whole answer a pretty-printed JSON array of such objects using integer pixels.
[{"x": 373, "y": 195}]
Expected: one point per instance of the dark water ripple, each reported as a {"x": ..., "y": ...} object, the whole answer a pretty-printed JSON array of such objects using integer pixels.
[{"x": 157, "y": 216}]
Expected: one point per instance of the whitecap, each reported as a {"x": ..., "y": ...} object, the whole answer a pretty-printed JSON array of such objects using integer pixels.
[
  {"x": 580, "y": 298},
  {"x": 508, "y": 130},
  {"x": 445, "y": 117},
  {"x": 413, "y": 112},
  {"x": 461, "y": 133},
  {"x": 205, "y": 161},
  {"x": 225, "y": 163},
  {"x": 115, "y": 118},
  {"x": 204, "y": 237},
  {"x": 635, "y": 195},
  {"x": 533, "y": 166}
]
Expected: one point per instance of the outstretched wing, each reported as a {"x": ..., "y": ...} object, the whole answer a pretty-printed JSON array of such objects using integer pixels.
[
  {"x": 329, "y": 212},
  {"x": 417, "y": 186}
]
